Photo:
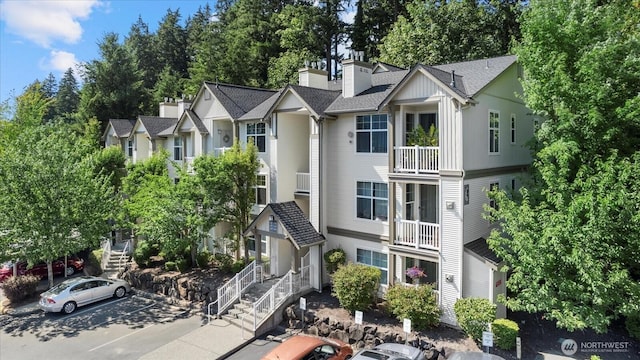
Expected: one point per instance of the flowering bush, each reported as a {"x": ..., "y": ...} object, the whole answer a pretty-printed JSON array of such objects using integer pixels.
[{"x": 415, "y": 272}]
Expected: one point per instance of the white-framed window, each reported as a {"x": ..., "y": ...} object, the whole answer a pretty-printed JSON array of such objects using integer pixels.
[
  {"x": 130, "y": 147},
  {"x": 375, "y": 259},
  {"x": 251, "y": 244},
  {"x": 429, "y": 270},
  {"x": 513, "y": 128},
  {"x": 494, "y": 132},
  {"x": 257, "y": 132},
  {"x": 371, "y": 133},
  {"x": 410, "y": 201},
  {"x": 177, "y": 148},
  {"x": 372, "y": 200},
  {"x": 261, "y": 189}
]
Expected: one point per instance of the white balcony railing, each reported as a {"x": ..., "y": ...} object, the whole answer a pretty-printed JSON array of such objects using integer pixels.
[
  {"x": 417, "y": 159},
  {"x": 220, "y": 151},
  {"x": 417, "y": 234},
  {"x": 303, "y": 182},
  {"x": 188, "y": 163}
]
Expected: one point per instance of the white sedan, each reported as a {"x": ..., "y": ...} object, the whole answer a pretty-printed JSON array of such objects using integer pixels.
[{"x": 70, "y": 294}]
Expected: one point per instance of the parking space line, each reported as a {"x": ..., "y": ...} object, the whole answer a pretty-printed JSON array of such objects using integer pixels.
[
  {"x": 93, "y": 308},
  {"x": 123, "y": 315},
  {"x": 120, "y": 338}
]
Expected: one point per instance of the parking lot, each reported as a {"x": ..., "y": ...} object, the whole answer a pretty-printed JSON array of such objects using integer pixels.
[{"x": 124, "y": 328}]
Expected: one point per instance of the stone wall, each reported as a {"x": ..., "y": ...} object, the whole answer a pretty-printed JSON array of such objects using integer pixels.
[
  {"x": 198, "y": 286},
  {"x": 359, "y": 336}
]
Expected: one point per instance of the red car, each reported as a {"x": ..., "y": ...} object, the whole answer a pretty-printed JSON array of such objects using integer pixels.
[
  {"x": 74, "y": 264},
  {"x": 303, "y": 347}
]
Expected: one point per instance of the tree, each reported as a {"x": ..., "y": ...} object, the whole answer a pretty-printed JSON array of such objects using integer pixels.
[
  {"x": 144, "y": 52},
  {"x": 230, "y": 180},
  {"x": 49, "y": 90},
  {"x": 332, "y": 32},
  {"x": 172, "y": 43},
  {"x": 373, "y": 20},
  {"x": 571, "y": 238},
  {"x": 299, "y": 36},
  {"x": 68, "y": 96},
  {"x": 113, "y": 85},
  {"x": 52, "y": 203},
  {"x": 436, "y": 32},
  {"x": 32, "y": 106}
]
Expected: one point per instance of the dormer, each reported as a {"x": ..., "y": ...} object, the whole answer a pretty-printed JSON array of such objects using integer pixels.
[{"x": 356, "y": 75}]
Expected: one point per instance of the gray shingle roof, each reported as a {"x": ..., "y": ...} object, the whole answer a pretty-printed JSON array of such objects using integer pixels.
[
  {"x": 369, "y": 100},
  {"x": 481, "y": 248},
  {"x": 317, "y": 99},
  {"x": 477, "y": 74},
  {"x": 196, "y": 121},
  {"x": 382, "y": 67},
  {"x": 122, "y": 127},
  {"x": 296, "y": 223},
  {"x": 261, "y": 111},
  {"x": 158, "y": 126},
  {"x": 238, "y": 100}
]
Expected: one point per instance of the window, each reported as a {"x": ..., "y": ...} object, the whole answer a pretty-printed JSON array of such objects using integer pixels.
[
  {"x": 177, "y": 148},
  {"x": 492, "y": 202},
  {"x": 372, "y": 200},
  {"x": 409, "y": 198},
  {"x": 251, "y": 244},
  {"x": 257, "y": 133},
  {"x": 429, "y": 270},
  {"x": 371, "y": 133},
  {"x": 376, "y": 259},
  {"x": 130, "y": 148},
  {"x": 261, "y": 190},
  {"x": 513, "y": 128},
  {"x": 513, "y": 184},
  {"x": 494, "y": 132}
]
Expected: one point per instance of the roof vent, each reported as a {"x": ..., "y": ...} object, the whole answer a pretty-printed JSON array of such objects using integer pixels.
[{"x": 453, "y": 79}]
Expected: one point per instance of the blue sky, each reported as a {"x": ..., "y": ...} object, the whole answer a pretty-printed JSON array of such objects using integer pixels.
[
  {"x": 45, "y": 36},
  {"x": 38, "y": 37}
]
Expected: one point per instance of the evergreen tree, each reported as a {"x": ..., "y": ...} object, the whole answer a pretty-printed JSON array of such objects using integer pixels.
[
  {"x": 68, "y": 96},
  {"x": 373, "y": 20},
  {"x": 113, "y": 85},
  {"x": 172, "y": 44},
  {"x": 142, "y": 46}
]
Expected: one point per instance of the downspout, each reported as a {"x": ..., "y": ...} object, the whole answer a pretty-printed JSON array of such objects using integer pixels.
[
  {"x": 392, "y": 189},
  {"x": 320, "y": 123}
]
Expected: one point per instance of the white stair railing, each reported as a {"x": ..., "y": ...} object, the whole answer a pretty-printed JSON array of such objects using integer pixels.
[
  {"x": 232, "y": 290},
  {"x": 124, "y": 257},
  {"x": 106, "y": 252}
]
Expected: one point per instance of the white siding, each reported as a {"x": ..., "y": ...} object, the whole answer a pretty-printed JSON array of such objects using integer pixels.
[
  {"x": 343, "y": 168},
  {"x": 476, "y": 278},
  {"x": 419, "y": 87},
  {"x": 290, "y": 102},
  {"x": 451, "y": 247},
  {"x": 499, "y": 96}
]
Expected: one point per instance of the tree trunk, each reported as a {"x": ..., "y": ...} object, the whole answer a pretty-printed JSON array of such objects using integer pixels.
[{"x": 50, "y": 273}]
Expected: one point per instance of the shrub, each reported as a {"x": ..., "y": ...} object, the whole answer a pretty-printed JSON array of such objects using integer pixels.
[
  {"x": 17, "y": 288},
  {"x": 632, "y": 323},
  {"x": 203, "y": 258},
  {"x": 223, "y": 261},
  {"x": 170, "y": 266},
  {"x": 144, "y": 250},
  {"x": 474, "y": 314},
  {"x": 93, "y": 262},
  {"x": 417, "y": 303},
  {"x": 182, "y": 265},
  {"x": 355, "y": 286},
  {"x": 333, "y": 259},
  {"x": 238, "y": 266},
  {"x": 505, "y": 333}
]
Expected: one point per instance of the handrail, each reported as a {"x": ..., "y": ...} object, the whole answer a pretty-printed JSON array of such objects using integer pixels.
[
  {"x": 232, "y": 290},
  {"x": 123, "y": 257},
  {"x": 209, "y": 310}
]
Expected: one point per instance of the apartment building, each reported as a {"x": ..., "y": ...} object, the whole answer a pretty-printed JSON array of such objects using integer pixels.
[{"x": 345, "y": 164}]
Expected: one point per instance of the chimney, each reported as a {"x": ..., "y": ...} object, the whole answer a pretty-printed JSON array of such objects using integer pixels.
[
  {"x": 453, "y": 79},
  {"x": 313, "y": 77},
  {"x": 356, "y": 75},
  {"x": 168, "y": 109}
]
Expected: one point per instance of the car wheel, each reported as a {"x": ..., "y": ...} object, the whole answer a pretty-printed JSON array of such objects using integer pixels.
[
  {"x": 70, "y": 270},
  {"x": 120, "y": 292},
  {"x": 69, "y": 307}
]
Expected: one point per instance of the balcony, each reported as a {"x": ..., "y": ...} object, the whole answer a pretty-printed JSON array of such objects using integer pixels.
[
  {"x": 219, "y": 151},
  {"x": 417, "y": 159},
  {"x": 303, "y": 183},
  {"x": 417, "y": 234}
]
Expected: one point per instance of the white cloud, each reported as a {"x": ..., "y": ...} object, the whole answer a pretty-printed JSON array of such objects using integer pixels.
[
  {"x": 44, "y": 22},
  {"x": 62, "y": 60}
]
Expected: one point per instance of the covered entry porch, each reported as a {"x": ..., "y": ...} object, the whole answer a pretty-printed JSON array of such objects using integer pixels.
[{"x": 290, "y": 238}]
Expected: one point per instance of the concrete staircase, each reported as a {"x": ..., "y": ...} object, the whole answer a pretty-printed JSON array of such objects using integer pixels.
[
  {"x": 110, "y": 270},
  {"x": 241, "y": 312}
]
